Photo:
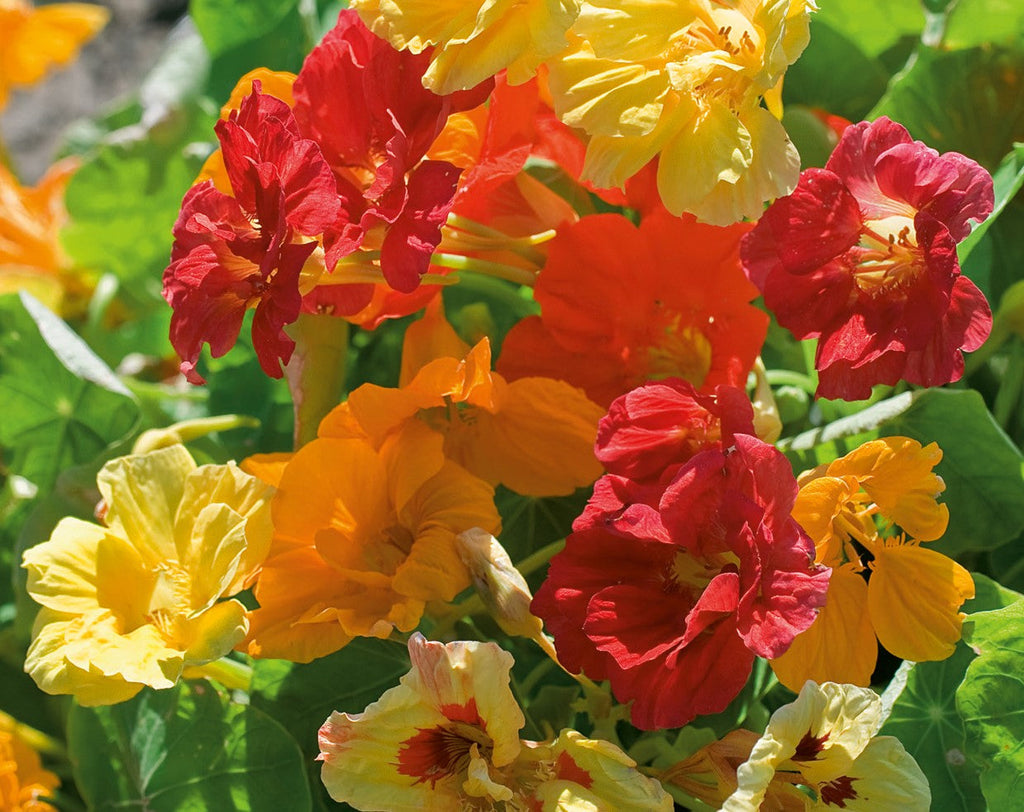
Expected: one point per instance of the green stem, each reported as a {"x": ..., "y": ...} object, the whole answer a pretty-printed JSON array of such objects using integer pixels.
[
  {"x": 809, "y": 347},
  {"x": 35, "y": 739},
  {"x": 538, "y": 558},
  {"x": 316, "y": 371},
  {"x": 786, "y": 377},
  {"x": 482, "y": 266},
  {"x": 499, "y": 291},
  {"x": 233, "y": 675},
  {"x": 1010, "y": 386}
]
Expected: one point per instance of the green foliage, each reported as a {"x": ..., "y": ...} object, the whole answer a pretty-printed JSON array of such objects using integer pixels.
[
  {"x": 186, "y": 748},
  {"x": 990, "y": 700},
  {"x": 62, "y": 404}
]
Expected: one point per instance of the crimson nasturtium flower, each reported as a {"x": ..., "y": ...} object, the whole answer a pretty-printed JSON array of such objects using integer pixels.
[
  {"x": 364, "y": 537},
  {"x": 862, "y": 256},
  {"x": 447, "y": 737},
  {"x": 139, "y": 599},
  {"x": 911, "y": 599},
  {"x": 684, "y": 81},
  {"x": 35, "y": 40},
  {"x": 249, "y": 248},
  {"x": 713, "y": 539},
  {"x": 621, "y": 305},
  {"x": 826, "y": 740}
]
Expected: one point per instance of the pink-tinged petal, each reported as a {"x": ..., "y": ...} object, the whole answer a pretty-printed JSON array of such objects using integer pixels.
[
  {"x": 951, "y": 187},
  {"x": 405, "y": 253},
  {"x": 854, "y": 159},
  {"x": 814, "y": 225}
]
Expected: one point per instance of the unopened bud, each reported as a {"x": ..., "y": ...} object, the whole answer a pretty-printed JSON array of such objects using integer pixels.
[{"x": 188, "y": 430}]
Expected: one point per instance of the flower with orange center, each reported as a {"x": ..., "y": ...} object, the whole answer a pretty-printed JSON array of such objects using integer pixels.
[
  {"x": 363, "y": 538},
  {"x": 622, "y": 305},
  {"x": 447, "y": 737},
  {"x": 533, "y": 435},
  {"x": 22, "y": 777},
  {"x": 684, "y": 80},
  {"x": 884, "y": 585},
  {"x": 34, "y": 40},
  {"x": 31, "y": 257}
]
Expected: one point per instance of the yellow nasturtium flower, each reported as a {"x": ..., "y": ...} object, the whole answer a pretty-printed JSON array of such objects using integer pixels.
[
  {"x": 684, "y": 80},
  {"x": 826, "y": 741},
  {"x": 23, "y": 781},
  {"x": 447, "y": 737},
  {"x": 911, "y": 599},
  {"x": 473, "y": 39},
  {"x": 34, "y": 40},
  {"x": 136, "y": 600}
]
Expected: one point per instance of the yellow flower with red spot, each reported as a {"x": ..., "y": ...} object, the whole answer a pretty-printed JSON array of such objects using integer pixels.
[
  {"x": 884, "y": 585},
  {"x": 534, "y": 435},
  {"x": 364, "y": 537},
  {"x": 826, "y": 741},
  {"x": 684, "y": 81},
  {"x": 447, "y": 737},
  {"x": 23, "y": 781},
  {"x": 35, "y": 40},
  {"x": 137, "y": 600},
  {"x": 473, "y": 39}
]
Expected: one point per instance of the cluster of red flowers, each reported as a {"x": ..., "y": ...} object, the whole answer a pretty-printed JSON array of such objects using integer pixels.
[{"x": 686, "y": 562}]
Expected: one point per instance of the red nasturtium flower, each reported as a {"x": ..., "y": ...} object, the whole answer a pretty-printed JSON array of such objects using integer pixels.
[
  {"x": 249, "y": 248},
  {"x": 863, "y": 257},
  {"x": 622, "y": 305},
  {"x": 730, "y": 567}
]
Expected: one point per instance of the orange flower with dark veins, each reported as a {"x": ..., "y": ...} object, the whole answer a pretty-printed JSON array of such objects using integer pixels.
[{"x": 622, "y": 305}]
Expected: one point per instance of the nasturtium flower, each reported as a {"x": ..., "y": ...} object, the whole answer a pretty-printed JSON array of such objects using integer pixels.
[
  {"x": 473, "y": 39},
  {"x": 137, "y": 600},
  {"x": 731, "y": 570},
  {"x": 684, "y": 81},
  {"x": 23, "y": 781},
  {"x": 862, "y": 256},
  {"x": 35, "y": 40},
  {"x": 363, "y": 539},
  {"x": 31, "y": 257},
  {"x": 447, "y": 737},
  {"x": 884, "y": 586},
  {"x": 827, "y": 741},
  {"x": 533, "y": 435},
  {"x": 621, "y": 305},
  {"x": 249, "y": 248}
]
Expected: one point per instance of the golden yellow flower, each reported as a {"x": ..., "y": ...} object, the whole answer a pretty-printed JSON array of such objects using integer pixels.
[
  {"x": 473, "y": 39},
  {"x": 34, "y": 40},
  {"x": 31, "y": 257},
  {"x": 134, "y": 602},
  {"x": 826, "y": 741},
  {"x": 884, "y": 585},
  {"x": 22, "y": 777},
  {"x": 683, "y": 80}
]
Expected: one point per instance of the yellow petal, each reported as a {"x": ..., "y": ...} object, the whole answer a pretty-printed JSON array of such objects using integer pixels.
[
  {"x": 885, "y": 776},
  {"x": 214, "y": 633},
  {"x": 914, "y": 596}
]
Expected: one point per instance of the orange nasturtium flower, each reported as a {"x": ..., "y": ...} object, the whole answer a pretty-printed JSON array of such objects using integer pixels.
[
  {"x": 826, "y": 741},
  {"x": 31, "y": 257},
  {"x": 22, "y": 777},
  {"x": 447, "y": 737},
  {"x": 684, "y": 81},
  {"x": 135, "y": 601},
  {"x": 912, "y": 597},
  {"x": 34, "y": 40},
  {"x": 474, "y": 39},
  {"x": 533, "y": 435},
  {"x": 364, "y": 537}
]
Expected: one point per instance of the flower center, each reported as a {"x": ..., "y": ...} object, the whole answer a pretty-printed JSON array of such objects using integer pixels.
[
  {"x": 682, "y": 352},
  {"x": 436, "y": 753},
  {"x": 889, "y": 257}
]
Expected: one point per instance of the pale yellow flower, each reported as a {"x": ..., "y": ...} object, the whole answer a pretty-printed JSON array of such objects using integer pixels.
[
  {"x": 684, "y": 80},
  {"x": 473, "y": 39},
  {"x": 134, "y": 602},
  {"x": 447, "y": 737},
  {"x": 826, "y": 741}
]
